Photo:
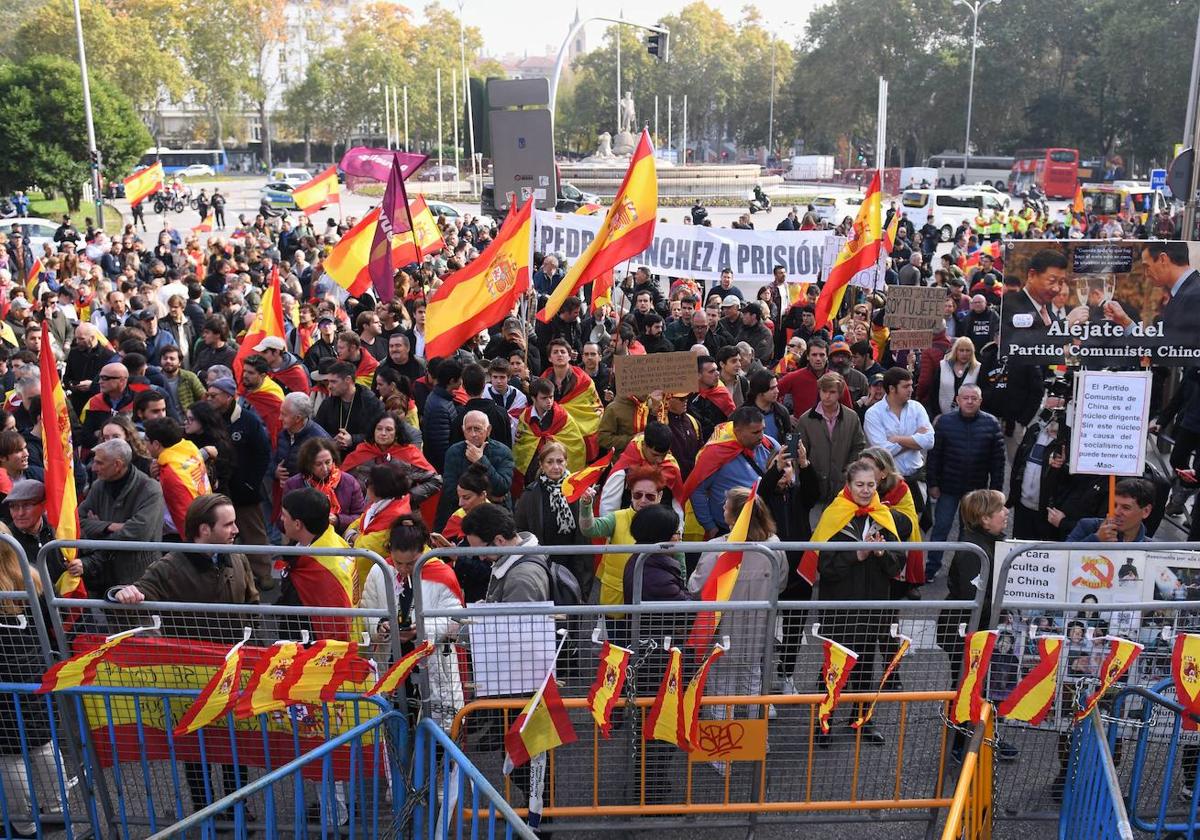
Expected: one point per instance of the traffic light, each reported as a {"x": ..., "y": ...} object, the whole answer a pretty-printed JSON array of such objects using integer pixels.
[{"x": 655, "y": 44}]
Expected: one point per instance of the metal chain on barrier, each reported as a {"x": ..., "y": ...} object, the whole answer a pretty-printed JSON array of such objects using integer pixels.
[{"x": 646, "y": 647}]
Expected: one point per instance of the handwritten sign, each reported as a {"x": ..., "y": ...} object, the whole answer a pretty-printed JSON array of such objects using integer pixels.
[
  {"x": 731, "y": 740},
  {"x": 910, "y": 339},
  {"x": 915, "y": 308},
  {"x": 639, "y": 375},
  {"x": 1109, "y": 429}
]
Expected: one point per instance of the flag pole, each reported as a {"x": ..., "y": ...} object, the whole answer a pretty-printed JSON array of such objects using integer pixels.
[{"x": 537, "y": 698}]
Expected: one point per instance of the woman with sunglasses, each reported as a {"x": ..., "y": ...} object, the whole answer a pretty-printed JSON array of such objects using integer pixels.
[{"x": 645, "y": 489}]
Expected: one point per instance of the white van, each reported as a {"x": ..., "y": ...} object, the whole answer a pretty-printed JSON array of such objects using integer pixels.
[
  {"x": 834, "y": 207},
  {"x": 295, "y": 177},
  {"x": 950, "y": 207}
]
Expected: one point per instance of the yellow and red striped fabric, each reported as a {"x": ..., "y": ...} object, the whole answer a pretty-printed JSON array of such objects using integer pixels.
[
  {"x": 144, "y": 183},
  {"x": 1121, "y": 654},
  {"x": 861, "y": 252},
  {"x": 183, "y": 478},
  {"x": 967, "y": 705},
  {"x": 718, "y": 586},
  {"x": 398, "y": 673},
  {"x": 606, "y": 688},
  {"x": 347, "y": 262},
  {"x": 320, "y": 192},
  {"x": 218, "y": 697},
  {"x": 666, "y": 721},
  {"x": 62, "y": 504},
  {"x": 839, "y": 661},
  {"x": 1030, "y": 700}
]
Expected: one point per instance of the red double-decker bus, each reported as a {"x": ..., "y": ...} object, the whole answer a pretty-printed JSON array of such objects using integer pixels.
[{"x": 1053, "y": 171}]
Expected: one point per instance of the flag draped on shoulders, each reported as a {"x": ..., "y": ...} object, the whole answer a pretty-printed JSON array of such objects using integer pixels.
[
  {"x": 561, "y": 427},
  {"x": 721, "y": 448},
  {"x": 582, "y": 402},
  {"x": 325, "y": 580},
  {"x": 627, "y": 229},
  {"x": 860, "y": 253},
  {"x": 184, "y": 478},
  {"x": 542, "y": 725},
  {"x": 1030, "y": 699},
  {"x": 840, "y": 513},
  {"x": 967, "y": 705},
  {"x": 267, "y": 400},
  {"x": 483, "y": 292}
]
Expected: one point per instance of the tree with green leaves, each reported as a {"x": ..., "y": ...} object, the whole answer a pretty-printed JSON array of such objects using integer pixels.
[{"x": 43, "y": 133}]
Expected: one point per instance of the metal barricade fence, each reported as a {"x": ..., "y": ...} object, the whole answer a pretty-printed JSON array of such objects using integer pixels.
[
  {"x": 1031, "y": 779},
  {"x": 308, "y": 795},
  {"x": 970, "y": 815},
  {"x": 451, "y": 796},
  {"x": 145, "y": 685},
  {"x": 487, "y": 652},
  {"x": 1092, "y": 806}
]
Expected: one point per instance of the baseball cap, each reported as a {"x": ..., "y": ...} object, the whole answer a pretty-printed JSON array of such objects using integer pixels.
[
  {"x": 145, "y": 315},
  {"x": 731, "y": 300},
  {"x": 876, "y": 379},
  {"x": 839, "y": 347},
  {"x": 271, "y": 342},
  {"x": 325, "y": 319},
  {"x": 27, "y": 490}
]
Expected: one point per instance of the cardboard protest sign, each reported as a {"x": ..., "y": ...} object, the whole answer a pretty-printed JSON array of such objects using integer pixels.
[
  {"x": 1104, "y": 303},
  {"x": 913, "y": 314},
  {"x": 668, "y": 372}
]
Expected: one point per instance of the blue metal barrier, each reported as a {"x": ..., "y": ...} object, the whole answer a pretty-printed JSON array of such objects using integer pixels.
[
  {"x": 452, "y": 818},
  {"x": 1092, "y": 808}
]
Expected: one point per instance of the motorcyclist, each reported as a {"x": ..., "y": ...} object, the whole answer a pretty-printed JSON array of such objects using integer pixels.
[
  {"x": 699, "y": 213},
  {"x": 760, "y": 196}
]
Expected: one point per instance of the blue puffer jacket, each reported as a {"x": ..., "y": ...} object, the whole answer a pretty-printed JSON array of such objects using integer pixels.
[
  {"x": 967, "y": 454},
  {"x": 436, "y": 423}
]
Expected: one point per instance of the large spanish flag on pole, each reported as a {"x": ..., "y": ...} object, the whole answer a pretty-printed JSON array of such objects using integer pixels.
[
  {"x": 1030, "y": 699},
  {"x": 718, "y": 586},
  {"x": 967, "y": 706},
  {"x": 627, "y": 229},
  {"x": 320, "y": 192},
  {"x": 424, "y": 239},
  {"x": 1121, "y": 653},
  {"x": 267, "y": 321},
  {"x": 483, "y": 293},
  {"x": 62, "y": 510},
  {"x": 144, "y": 183},
  {"x": 348, "y": 263},
  {"x": 860, "y": 253}
]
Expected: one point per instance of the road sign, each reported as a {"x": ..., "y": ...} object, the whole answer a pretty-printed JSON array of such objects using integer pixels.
[
  {"x": 1158, "y": 179},
  {"x": 1179, "y": 175}
]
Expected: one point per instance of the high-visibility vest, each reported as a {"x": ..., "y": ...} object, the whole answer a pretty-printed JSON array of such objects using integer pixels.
[{"x": 981, "y": 223}]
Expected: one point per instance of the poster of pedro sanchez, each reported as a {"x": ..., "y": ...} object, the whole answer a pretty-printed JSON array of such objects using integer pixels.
[{"x": 1094, "y": 303}]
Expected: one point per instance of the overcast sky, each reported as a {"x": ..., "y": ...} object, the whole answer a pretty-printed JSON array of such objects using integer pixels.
[{"x": 517, "y": 26}]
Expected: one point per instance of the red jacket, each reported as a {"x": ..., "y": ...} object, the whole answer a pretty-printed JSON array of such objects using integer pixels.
[{"x": 802, "y": 385}]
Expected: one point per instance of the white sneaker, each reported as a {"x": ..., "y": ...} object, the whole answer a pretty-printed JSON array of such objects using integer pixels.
[
  {"x": 788, "y": 687},
  {"x": 1185, "y": 793},
  {"x": 771, "y": 714}
]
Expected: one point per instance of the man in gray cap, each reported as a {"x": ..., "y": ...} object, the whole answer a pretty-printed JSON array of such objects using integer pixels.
[
  {"x": 24, "y": 519},
  {"x": 730, "y": 326},
  {"x": 123, "y": 504}
]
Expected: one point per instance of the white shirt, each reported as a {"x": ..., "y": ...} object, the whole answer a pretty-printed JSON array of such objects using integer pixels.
[{"x": 880, "y": 422}]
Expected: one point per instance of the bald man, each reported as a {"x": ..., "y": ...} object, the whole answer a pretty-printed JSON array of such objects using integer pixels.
[
  {"x": 114, "y": 398},
  {"x": 87, "y": 355},
  {"x": 477, "y": 447}
]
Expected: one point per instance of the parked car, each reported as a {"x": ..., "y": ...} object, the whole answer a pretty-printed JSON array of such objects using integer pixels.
[
  {"x": 36, "y": 231},
  {"x": 570, "y": 199},
  {"x": 278, "y": 194},
  {"x": 430, "y": 173},
  {"x": 289, "y": 175},
  {"x": 834, "y": 206},
  {"x": 196, "y": 170}
]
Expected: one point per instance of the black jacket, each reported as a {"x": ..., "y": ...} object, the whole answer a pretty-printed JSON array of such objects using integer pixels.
[
  {"x": 967, "y": 454},
  {"x": 252, "y": 446},
  {"x": 497, "y": 416},
  {"x": 438, "y": 418},
  {"x": 358, "y": 418}
]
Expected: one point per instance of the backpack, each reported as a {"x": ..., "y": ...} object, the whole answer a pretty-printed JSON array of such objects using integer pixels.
[{"x": 564, "y": 588}]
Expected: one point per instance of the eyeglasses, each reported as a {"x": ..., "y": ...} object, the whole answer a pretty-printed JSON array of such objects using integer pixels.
[{"x": 639, "y": 496}]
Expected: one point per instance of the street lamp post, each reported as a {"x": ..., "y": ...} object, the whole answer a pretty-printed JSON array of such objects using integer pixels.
[
  {"x": 974, "y": 7},
  {"x": 771, "y": 107},
  {"x": 87, "y": 117}
]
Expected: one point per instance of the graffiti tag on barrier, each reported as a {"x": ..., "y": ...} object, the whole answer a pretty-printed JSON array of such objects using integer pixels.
[{"x": 731, "y": 740}]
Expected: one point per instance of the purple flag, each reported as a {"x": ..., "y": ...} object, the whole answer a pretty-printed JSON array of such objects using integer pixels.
[
  {"x": 394, "y": 219},
  {"x": 365, "y": 162}
]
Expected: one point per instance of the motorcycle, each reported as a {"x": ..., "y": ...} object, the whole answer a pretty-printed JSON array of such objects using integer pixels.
[
  {"x": 8, "y": 210},
  {"x": 699, "y": 213},
  {"x": 759, "y": 200},
  {"x": 164, "y": 202}
]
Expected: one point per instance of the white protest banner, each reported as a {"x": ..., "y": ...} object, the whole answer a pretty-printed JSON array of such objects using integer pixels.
[
  {"x": 1037, "y": 576},
  {"x": 510, "y": 654},
  {"x": 1108, "y": 432},
  {"x": 694, "y": 250}
]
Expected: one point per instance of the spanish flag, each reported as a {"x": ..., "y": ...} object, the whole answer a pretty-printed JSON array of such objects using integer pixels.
[
  {"x": 1121, "y": 654},
  {"x": 865, "y": 714},
  {"x": 606, "y": 689},
  {"x": 578, "y": 482},
  {"x": 860, "y": 253},
  {"x": 967, "y": 705},
  {"x": 183, "y": 477},
  {"x": 80, "y": 669},
  {"x": 425, "y": 237},
  {"x": 206, "y": 224},
  {"x": 543, "y": 725},
  {"x": 484, "y": 292},
  {"x": 398, "y": 673},
  {"x": 267, "y": 321},
  {"x": 258, "y": 697},
  {"x": 835, "y": 670},
  {"x": 1031, "y": 698},
  {"x": 889, "y": 235},
  {"x": 693, "y": 696},
  {"x": 1077, "y": 205},
  {"x": 327, "y": 581},
  {"x": 144, "y": 183},
  {"x": 218, "y": 697},
  {"x": 627, "y": 229},
  {"x": 666, "y": 721},
  {"x": 319, "y": 669},
  {"x": 718, "y": 586},
  {"x": 267, "y": 400},
  {"x": 992, "y": 249},
  {"x": 1185, "y": 670},
  {"x": 602, "y": 288},
  {"x": 62, "y": 510},
  {"x": 32, "y": 280},
  {"x": 321, "y": 191},
  {"x": 347, "y": 262}
]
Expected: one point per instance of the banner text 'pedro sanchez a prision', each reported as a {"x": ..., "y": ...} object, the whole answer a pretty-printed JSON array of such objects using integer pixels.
[{"x": 1108, "y": 303}]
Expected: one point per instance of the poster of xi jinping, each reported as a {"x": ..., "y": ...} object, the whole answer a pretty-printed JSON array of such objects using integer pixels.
[{"x": 1101, "y": 303}]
